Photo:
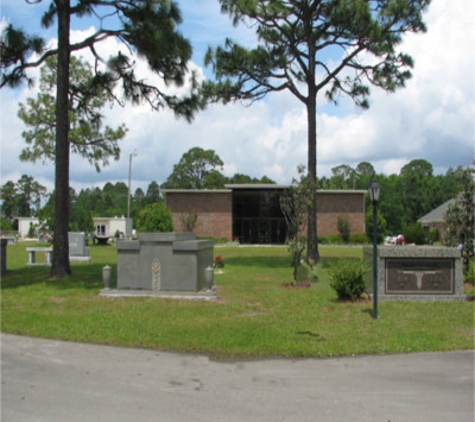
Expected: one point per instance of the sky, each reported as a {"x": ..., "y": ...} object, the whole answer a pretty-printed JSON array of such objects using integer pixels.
[{"x": 433, "y": 118}]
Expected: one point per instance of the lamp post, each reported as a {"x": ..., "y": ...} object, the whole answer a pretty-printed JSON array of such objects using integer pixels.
[
  {"x": 134, "y": 154},
  {"x": 374, "y": 189}
]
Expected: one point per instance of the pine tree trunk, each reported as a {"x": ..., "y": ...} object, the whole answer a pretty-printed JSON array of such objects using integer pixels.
[
  {"x": 60, "y": 263},
  {"x": 311, "y": 104},
  {"x": 312, "y": 238}
]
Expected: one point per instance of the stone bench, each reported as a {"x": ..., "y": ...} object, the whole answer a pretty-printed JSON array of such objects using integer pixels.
[{"x": 32, "y": 255}]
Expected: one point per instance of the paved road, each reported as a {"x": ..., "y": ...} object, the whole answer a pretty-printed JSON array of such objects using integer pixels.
[{"x": 51, "y": 381}]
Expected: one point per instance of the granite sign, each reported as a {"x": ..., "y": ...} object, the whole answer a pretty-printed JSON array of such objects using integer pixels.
[
  {"x": 419, "y": 276},
  {"x": 422, "y": 273}
]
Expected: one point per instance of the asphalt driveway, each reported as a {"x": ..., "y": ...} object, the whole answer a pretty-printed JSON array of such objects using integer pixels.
[{"x": 49, "y": 381}]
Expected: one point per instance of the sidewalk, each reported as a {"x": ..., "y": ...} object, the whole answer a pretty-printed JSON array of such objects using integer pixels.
[{"x": 53, "y": 381}]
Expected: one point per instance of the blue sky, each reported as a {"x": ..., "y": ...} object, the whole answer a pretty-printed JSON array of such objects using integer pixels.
[{"x": 432, "y": 118}]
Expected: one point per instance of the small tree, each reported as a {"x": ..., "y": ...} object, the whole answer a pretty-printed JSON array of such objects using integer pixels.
[
  {"x": 31, "y": 231},
  {"x": 86, "y": 135},
  {"x": 381, "y": 229},
  {"x": 294, "y": 204},
  {"x": 460, "y": 221},
  {"x": 344, "y": 228},
  {"x": 155, "y": 218},
  {"x": 433, "y": 234},
  {"x": 414, "y": 233},
  {"x": 188, "y": 221}
]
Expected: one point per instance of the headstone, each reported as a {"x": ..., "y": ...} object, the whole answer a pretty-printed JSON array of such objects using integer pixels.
[{"x": 77, "y": 247}]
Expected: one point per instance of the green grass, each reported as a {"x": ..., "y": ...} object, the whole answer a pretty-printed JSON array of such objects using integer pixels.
[{"x": 254, "y": 317}]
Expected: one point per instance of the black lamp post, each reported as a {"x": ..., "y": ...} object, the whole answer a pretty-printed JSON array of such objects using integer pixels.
[{"x": 374, "y": 189}]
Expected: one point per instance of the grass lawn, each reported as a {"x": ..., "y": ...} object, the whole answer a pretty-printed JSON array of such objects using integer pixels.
[{"x": 254, "y": 317}]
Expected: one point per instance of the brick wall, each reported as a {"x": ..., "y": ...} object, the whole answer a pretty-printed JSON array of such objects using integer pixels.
[
  {"x": 214, "y": 209},
  {"x": 332, "y": 204}
]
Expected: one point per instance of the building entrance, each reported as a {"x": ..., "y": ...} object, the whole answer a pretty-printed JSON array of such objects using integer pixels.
[{"x": 257, "y": 216}]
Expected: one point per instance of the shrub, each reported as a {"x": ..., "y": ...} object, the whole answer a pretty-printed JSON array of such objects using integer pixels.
[
  {"x": 434, "y": 234},
  {"x": 347, "y": 278},
  {"x": 380, "y": 227},
  {"x": 334, "y": 239},
  {"x": 31, "y": 231},
  {"x": 322, "y": 240},
  {"x": 188, "y": 221},
  {"x": 469, "y": 273},
  {"x": 155, "y": 217},
  {"x": 414, "y": 233},
  {"x": 358, "y": 238},
  {"x": 343, "y": 226},
  {"x": 5, "y": 225}
]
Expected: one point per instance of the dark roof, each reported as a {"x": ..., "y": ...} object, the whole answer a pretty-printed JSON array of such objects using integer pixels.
[
  {"x": 259, "y": 186},
  {"x": 437, "y": 215}
]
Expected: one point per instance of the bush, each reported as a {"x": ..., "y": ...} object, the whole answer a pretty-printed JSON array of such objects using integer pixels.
[
  {"x": 343, "y": 226},
  {"x": 434, "y": 234},
  {"x": 414, "y": 233},
  {"x": 469, "y": 273},
  {"x": 5, "y": 225},
  {"x": 380, "y": 227},
  {"x": 188, "y": 221},
  {"x": 348, "y": 279},
  {"x": 322, "y": 240},
  {"x": 334, "y": 239},
  {"x": 155, "y": 217},
  {"x": 358, "y": 238}
]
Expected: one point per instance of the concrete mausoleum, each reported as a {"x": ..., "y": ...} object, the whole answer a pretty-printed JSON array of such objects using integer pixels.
[{"x": 164, "y": 264}]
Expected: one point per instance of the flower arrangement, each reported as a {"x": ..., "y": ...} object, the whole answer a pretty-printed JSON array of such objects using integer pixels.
[{"x": 218, "y": 262}]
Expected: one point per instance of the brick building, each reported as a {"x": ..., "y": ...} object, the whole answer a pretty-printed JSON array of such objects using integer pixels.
[{"x": 251, "y": 213}]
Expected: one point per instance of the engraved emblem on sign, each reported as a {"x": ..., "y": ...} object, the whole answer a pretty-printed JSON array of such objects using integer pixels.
[{"x": 156, "y": 274}]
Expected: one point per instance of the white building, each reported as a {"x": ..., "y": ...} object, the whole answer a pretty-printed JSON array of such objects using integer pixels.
[
  {"x": 110, "y": 226},
  {"x": 103, "y": 226},
  {"x": 24, "y": 224}
]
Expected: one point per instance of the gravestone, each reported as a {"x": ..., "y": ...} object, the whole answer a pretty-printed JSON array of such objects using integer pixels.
[
  {"x": 420, "y": 273},
  {"x": 77, "y": 247},
  {"x": 164, "y": 262}
]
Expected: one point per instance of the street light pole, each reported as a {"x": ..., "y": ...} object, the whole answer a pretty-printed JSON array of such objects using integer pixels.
[
  {"x": 374, "y": 189},
  {"x": 134, "y": 154}
]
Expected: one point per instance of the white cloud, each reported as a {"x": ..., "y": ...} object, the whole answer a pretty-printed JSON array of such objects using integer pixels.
[{"x": 432, "y": 118}]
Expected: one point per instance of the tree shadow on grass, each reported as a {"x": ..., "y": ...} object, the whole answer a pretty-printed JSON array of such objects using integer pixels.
[
  {"x": 85, "y": 276},
  {"x": 368, "y": 311},
  {"x": 308, "y": 333}
]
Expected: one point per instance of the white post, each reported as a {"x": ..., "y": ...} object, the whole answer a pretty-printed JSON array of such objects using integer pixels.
[{"x": 134, "y": 154}]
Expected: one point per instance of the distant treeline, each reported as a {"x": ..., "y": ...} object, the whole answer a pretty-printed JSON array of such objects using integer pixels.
[{"x": 405, "y": 197}]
